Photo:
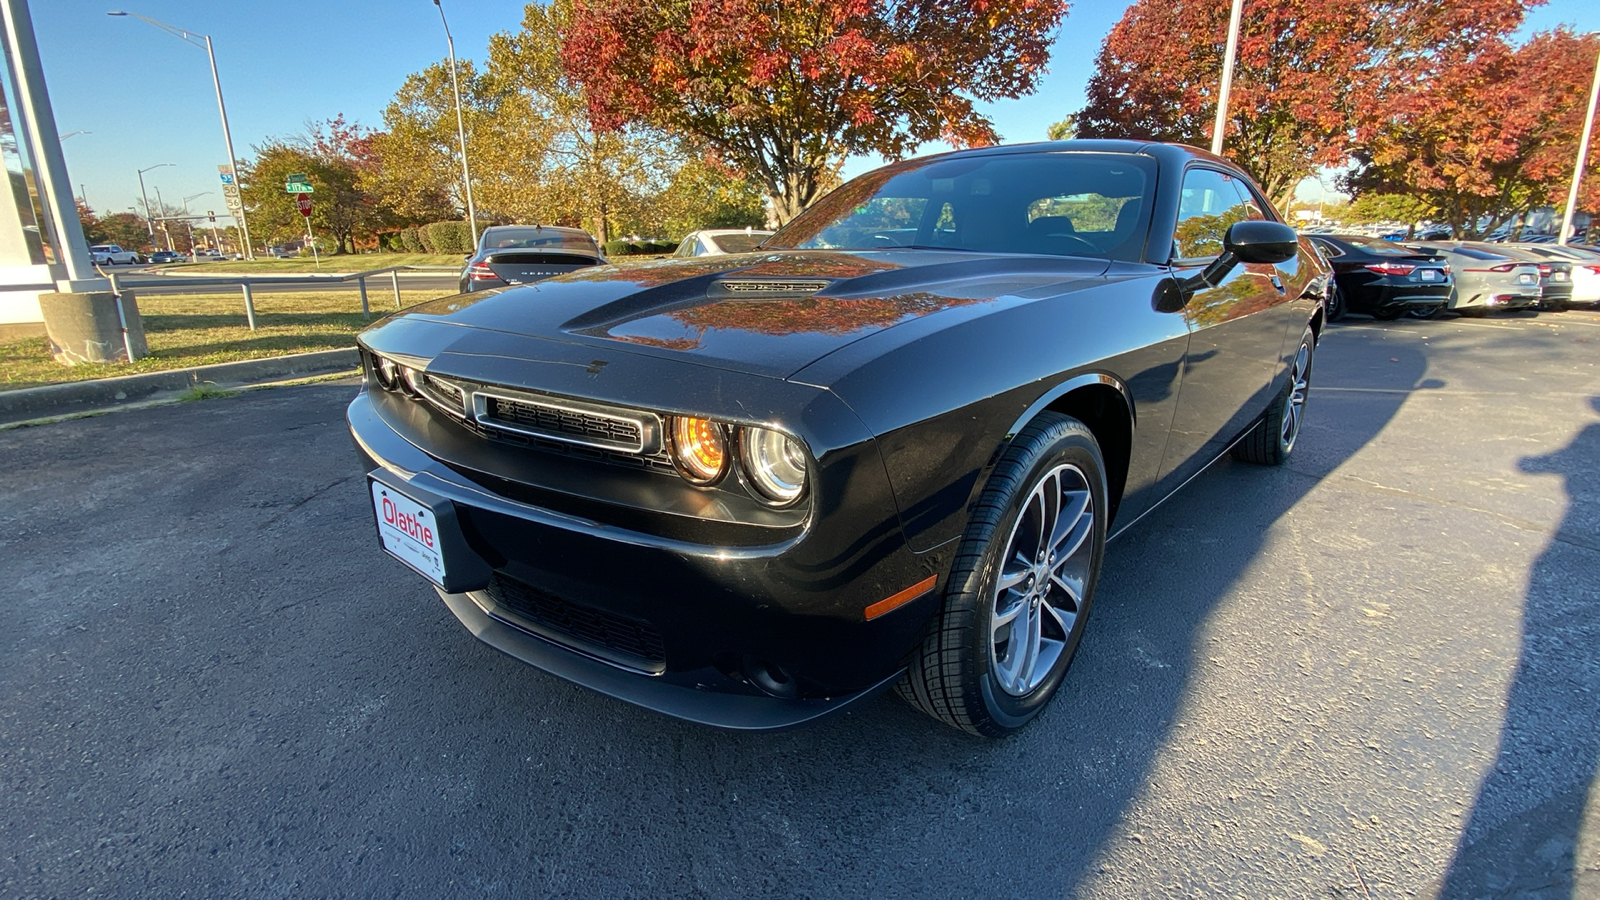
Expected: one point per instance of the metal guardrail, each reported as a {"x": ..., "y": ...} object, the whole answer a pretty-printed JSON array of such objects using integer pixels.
[{"x": 246, "y": 284}]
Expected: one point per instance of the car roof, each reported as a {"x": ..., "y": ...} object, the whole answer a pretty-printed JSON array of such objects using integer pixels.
[
  {"x": 1165, "y": 152},
  {"x": 719, "y": 232}
]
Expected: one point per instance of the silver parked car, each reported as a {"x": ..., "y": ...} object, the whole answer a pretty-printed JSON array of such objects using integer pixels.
[
  {"x": 720, "y": 241},
  {"x": 1487, "y": 280}
]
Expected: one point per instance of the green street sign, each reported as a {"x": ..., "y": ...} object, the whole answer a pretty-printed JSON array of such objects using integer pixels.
[{"x": 298, "y": 187}]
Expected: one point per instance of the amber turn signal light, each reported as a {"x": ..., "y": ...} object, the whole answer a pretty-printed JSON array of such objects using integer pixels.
[{"x": 699, "y": 449}]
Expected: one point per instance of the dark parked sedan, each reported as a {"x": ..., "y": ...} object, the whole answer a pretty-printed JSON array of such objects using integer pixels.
[
  {"x": 887, "y": 449},
  {"x": 1381, "y": 278},
  {"x": 519, "y": 254}
]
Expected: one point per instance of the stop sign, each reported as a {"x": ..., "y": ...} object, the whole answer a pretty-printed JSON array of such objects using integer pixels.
[{"x": 304, "y": 202}]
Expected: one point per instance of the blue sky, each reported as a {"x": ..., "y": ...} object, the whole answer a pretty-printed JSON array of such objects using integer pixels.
[{"x": 146, "y": 97}]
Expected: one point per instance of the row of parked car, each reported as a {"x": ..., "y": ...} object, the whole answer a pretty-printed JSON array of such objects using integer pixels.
[
  {"x": 518, "y": 254},
  {"x": 1386, "y": 279}
]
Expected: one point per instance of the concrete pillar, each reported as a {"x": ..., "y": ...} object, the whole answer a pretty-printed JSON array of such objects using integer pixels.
[{"x": 89, "y": 328}]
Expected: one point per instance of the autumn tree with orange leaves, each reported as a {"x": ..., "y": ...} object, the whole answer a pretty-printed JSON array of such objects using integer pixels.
[
  {"x": 1310, "y": 74},
  {"x": 785, "y": 89},
  {"x": 1492, "y": 136}
]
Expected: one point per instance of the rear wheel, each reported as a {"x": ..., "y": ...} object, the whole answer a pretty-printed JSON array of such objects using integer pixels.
[
  {"x": 1273, "y": 438},
  {"x": 1019, "y": 592},
  {"x": 1387, "y": 314},
  {"x": 1335, "y": 304}
]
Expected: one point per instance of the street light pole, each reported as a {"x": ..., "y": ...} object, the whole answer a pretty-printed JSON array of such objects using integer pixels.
[
  {"x": 1228, "y": 57},
  {"x": 166, "y": 230},
  {"x": 145, "y": 197},
  {"x": 222, "y": 109},
  {"x": 461, "y": 128},
  {"x": 1583, "y": 159}
]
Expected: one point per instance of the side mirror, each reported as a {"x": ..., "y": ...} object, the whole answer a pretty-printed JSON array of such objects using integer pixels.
[{"x": 1260, "y": 241}]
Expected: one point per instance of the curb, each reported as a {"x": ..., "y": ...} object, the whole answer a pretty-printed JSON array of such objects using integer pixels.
[{"x": 63, "y": 399}]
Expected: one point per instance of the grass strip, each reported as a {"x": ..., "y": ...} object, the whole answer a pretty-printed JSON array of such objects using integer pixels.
[{"x": 200, "y": 329}]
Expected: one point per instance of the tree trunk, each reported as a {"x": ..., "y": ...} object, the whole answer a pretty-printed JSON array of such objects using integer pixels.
[{"x": 798, "y": 191}]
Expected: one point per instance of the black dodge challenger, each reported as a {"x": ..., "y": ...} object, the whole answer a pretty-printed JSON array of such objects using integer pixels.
[{"x": 886, "y": 448}]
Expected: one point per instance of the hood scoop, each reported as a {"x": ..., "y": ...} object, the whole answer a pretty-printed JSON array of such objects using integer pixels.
[{"x": 765, "y": 287}]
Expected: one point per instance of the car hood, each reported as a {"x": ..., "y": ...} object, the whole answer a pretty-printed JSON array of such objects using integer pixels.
[{"x": 769, "y": 313}]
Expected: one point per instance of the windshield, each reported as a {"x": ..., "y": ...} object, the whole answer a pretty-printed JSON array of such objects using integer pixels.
[
  {"x": 1379, "y": 246},
  {"x": 537, "y": 239},
  {"x": 1059, "y": 204},
  {"x": 740, "y": 243}
]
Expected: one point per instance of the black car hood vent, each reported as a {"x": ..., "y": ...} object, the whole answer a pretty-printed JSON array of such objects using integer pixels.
[{"x": 764, "y": 287}]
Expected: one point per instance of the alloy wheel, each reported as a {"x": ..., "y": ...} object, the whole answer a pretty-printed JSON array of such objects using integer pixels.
[
  {"x": 1043, "y": 575},
  {"x": 1294, "y": 404}
]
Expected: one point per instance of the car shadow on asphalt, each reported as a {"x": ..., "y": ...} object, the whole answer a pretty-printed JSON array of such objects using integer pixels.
[
  {"x": 891, "y": 803},
  {"x": 1521, "y": 838}
]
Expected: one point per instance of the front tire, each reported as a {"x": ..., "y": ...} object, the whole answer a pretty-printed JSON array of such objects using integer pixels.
[
  {"x": 1275, "y": 434},
  {"x": 1018, "y": 596}
]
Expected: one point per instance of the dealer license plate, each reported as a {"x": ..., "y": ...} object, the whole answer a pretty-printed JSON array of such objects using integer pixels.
[
  {"x": 408, "y": 531},
  {"x": 1429, "y": 274},
  {"x": 1527, "y": 279}
]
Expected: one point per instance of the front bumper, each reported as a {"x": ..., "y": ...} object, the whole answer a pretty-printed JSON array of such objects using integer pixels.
[{"x": 724, "y": 615}]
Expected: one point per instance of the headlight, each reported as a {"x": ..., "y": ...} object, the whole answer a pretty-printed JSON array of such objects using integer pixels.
[
  {"x": 411, "y": 381},
  {"x": 775, "y": 464},
  {"x": 699, "y": 450},
  {"x": 387, "y": 370}
]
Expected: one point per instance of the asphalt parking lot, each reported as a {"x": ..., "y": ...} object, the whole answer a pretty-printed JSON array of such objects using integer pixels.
[{"x": 1373, "y": 673}]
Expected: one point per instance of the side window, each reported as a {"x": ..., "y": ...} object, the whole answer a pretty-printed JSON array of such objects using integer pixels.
[
  {"x": 686, "y": 248},
  {"x": 1247, "y": 200},
  {"x": 1210, "y": 203}
]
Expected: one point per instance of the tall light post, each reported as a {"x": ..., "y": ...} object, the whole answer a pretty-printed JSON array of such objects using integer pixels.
[
  {"x": 148, "y": 223},
  {"x": 1227, "y": 77},
  {"x": 461, "y": 128},
  {"x": 204, "y": 40},
  {"x": 1583, "y": 158},
  {"x": 75, "y": 134}
]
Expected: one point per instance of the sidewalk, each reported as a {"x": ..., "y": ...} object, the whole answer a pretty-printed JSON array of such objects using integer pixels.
[{"x": 52, "y": 400}]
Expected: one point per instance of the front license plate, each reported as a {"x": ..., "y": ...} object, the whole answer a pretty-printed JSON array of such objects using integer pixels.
[
  {"x": 409, "y": 531},
  {"x": 1429, "y": 274}
]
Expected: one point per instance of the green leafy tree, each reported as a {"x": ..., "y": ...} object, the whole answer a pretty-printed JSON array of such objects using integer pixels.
[
  {"x": 341, "y": 163},
  {"x": 418, "y": 179}
]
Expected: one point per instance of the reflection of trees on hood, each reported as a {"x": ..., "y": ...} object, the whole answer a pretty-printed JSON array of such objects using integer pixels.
[
  {"x": 658, "y": 272},
  {"x": 795, "y": 316}
]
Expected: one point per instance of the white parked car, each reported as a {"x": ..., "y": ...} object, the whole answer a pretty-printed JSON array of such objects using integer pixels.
[
  {"x": 1585, "y": 270},
  {"x": 113, "y": 255},
  {"x": 720, "y": 241}
]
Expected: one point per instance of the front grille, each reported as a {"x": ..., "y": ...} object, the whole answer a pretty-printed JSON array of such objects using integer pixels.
[
  {"x": 658, "y": 461},
  {"x": 566, "y": 421},
  {"x": 544, "y": 419},
  {"x": 621, "y": 639}
]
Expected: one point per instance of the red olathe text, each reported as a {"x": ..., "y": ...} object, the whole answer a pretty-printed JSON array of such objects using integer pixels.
[{"x": 407, "y": 523}]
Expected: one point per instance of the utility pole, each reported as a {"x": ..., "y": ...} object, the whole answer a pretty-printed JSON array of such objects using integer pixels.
[
  {"x": 148, "y": 223},
  {"x": 461, "y": 128},
  {"x": 166, "y": 232},
  {"x": 1583, "y": 159},
  {"x": 190, "y": 37},
  {"x": 1228, "y": 58}
]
